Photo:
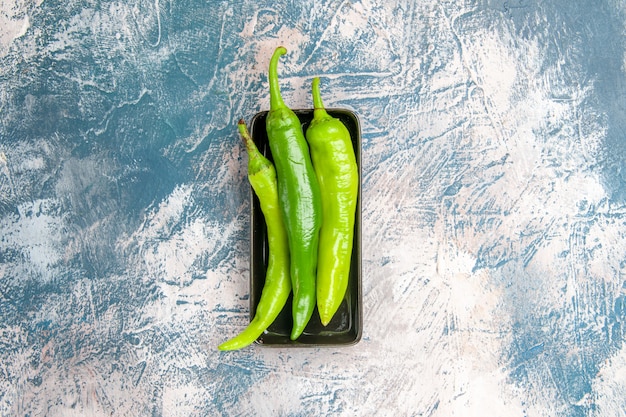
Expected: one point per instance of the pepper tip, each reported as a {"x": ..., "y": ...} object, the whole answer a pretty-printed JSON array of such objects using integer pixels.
[{"x": 295, "y": 333}]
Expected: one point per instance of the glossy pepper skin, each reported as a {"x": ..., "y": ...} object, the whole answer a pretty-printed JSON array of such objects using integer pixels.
[
  {"x": 299, "y": 196},
  {"x": 337, "y": 173},
  {"x": 277, "y": 287}
]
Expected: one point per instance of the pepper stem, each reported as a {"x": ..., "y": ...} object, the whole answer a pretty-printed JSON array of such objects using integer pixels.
[
  {"x": 245, "y": 135},
  {"x": 256, "y": 161},
  {"x": 276, "y": 100},
  {"x": 318, "y": 106}
]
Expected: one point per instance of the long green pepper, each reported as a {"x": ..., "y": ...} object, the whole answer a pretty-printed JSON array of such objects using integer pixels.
[
  {"x": 277, "y": 287},
  {"x": 338, "y": 175},
  {"x": 299, "y": 196}
]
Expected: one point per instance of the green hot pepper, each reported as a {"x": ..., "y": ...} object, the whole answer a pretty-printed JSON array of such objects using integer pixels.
[
  {"x": 277, "y": 287},
  {"x": 337, "y": 172},
  {"x": 299, "y": 196}
]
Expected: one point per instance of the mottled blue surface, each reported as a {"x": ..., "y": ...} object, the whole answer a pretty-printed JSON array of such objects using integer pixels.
[{"x": 494, "y": 206}]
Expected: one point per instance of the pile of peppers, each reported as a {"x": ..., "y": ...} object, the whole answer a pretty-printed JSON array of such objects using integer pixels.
[{"x": 308, "y": 198}]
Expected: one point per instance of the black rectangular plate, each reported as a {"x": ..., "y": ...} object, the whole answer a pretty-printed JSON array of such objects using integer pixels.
[{"x": 346, "y": 326}]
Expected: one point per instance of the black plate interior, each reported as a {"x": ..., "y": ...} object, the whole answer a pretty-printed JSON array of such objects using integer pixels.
[{"x": 345, "y": 327}]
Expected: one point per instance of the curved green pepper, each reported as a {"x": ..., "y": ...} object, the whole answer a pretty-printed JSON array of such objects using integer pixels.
[
  {"x": 299, "y": 196},
  {"x": 338, "y": 175},
  {"x": 277, "y": 287}
]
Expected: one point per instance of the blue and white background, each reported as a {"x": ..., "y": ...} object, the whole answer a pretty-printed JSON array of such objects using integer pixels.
[{"x": 494, "y": 206}]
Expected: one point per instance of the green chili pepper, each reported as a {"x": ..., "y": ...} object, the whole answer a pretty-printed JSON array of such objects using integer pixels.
[
  {"x": 277, "y": 287},
  {"x": 337, "y": 172},
  {"x": 299, "y": 195}
]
